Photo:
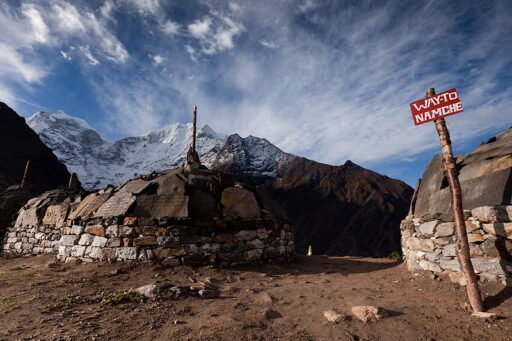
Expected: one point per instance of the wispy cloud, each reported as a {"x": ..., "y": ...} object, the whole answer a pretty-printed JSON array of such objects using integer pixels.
[{"x": 330, "y": 80}]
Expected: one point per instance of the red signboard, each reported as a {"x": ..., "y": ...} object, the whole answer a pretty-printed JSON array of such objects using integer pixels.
[{"x": 432, "y": 108}]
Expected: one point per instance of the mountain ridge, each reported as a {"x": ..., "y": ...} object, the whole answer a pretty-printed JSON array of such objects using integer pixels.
[{"x": 339, "y": 210}]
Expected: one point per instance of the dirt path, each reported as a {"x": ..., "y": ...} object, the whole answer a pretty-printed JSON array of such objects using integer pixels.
[{"x": 272, "y": 302}]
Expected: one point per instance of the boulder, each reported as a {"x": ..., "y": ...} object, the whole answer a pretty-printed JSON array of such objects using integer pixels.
[
  {"x": 367, "y": 313},
  {"x": 240, "y": 203}
]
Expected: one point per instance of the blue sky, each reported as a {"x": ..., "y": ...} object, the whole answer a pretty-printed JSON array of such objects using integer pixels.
[{"x": 328, "y": 80}]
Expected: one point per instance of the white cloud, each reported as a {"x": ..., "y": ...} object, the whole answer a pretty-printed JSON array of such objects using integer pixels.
[
  {"x": 40, "y": 30},
  {"x": 14, "y": 66},
  {"x": 66, "y": 56},
  {"x": 88, "y": 55},
  {"x": 145, "y": 6},
  {"x": 268, "y": 44},
  {"x": 170, "y": 27},
  {"x": 67, "y": 19},
  {"x": 200, "y": 28},
  {"x": 215, "y": 33},
  {"x": 158, "y": 59}
]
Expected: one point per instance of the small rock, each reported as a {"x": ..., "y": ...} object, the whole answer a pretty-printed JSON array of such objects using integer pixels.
[
  {"x": 271, "y": 314},
  {"x": 367, "y": 313},
  {"x": 150, "y": 291},
  {"x": 264, "y": 298},
  {"x": 207, "y": 294},
  {"x": 491, "y": 317},
  {"x": 332, "y": 316}
]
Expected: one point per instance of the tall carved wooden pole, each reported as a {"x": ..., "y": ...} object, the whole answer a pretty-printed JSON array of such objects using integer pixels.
[
  {"x": 194, "y": 128},
  {"x": 461, "y": 238},
  {"x": 25, "y": 174}
]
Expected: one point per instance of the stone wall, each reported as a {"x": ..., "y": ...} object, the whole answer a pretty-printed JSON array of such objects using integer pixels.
[
  {"x": 170, "y": 243},
  {"x": 428, "y": 243}
]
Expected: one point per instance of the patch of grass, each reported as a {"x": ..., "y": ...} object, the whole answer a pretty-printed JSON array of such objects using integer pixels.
[
  {"x": 396, "y": 256},
  {"x": 126, "y": 296},
  {"x": 110, "y": 299},
  {"x": 7, "y": 305}
]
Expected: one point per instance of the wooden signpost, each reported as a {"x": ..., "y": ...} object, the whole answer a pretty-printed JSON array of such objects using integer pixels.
[{"x": 435, "y": 108}]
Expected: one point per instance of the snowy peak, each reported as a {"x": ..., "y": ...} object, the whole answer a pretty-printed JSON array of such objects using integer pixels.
[{"x": 99, "y": 163}]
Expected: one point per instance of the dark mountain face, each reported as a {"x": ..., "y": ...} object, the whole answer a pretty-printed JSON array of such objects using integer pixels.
[
  {"x": 18, "y": 144},
  {"x": 342, "y": 210}
]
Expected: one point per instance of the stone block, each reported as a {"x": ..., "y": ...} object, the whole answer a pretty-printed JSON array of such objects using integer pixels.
[
  {"x": 475, "y": 238},
  {"x": 444, "y": 230},
  {"x": 429, "y": 266},
  {"x": 40, "y": 236},
  {"x": 76, "y": 229},
  {"x": 126, "y": 253},
  {"x": 99, "y": 241},
  {"x": 499, "y": 229},
  {"x": 452, "y": 265},
  {"x": 112, "y": 231},
  {"x": 171, "y": 262},
  {"x": 77, "y": 251},
  {"x": 114, "y": 242},
  {"x": 223, "y": 238},
  {"x": 68, "y": 240},
  {"x": 177, "y": 252},
  {"x": 130, "y": 221},
  {"x": 125, "y": 231},
  {"x": 443, "y": 241},
  {"x": 487, "y": 214},
  {"x": 472, "y": 225},
  {"x": 97, "y": 230},
  {"x": 427, "y": 229},
  {"x": 86, "y": 239},
  {"x": 255, "y": 244},
  {"x": 144, "y": 241},
  {"x": 246, "y": 235},
  {"x": 449, "y": 251},
  {"x": 254, "y": 255},
  {"x": 168, "y": 241}
]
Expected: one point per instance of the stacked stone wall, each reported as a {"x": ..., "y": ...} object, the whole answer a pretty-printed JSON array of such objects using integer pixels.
[
  {"x": 171, "y": 243},
  {"x": 428, "y": 243}
]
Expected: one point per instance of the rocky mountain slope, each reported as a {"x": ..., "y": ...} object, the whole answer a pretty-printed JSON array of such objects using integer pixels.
[
  {"x": 18, "y": 144},
  {"x": 341, "y": 210},
  {"x": 345, "y": 210}
]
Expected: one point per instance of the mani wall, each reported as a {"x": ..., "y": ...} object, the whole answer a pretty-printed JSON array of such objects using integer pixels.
[
  {"x": 193, "y": 217},
  {"x": 486, "y": 181}
]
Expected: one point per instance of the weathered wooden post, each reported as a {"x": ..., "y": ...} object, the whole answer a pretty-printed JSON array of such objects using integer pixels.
[
  {"x": 25, "y": 174},
  {"x": 73, "y": 182},
  {"x": 193, "y": 160},
  {"x": 461, "y": 238},
  {"x": 194, "y": 128}
]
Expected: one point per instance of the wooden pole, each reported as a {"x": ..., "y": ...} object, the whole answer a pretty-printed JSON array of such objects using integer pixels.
[
  {"x": 194, "y": 129},
  {"x": 25, "y": 174},
  {"x": 461, "y": 238}
]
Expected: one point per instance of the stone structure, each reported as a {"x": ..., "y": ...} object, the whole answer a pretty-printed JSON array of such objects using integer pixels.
[
  {"x": 486, "y": 180},
  {"x": 428, "y": 244},
  {"x": 192, "y": 217}
]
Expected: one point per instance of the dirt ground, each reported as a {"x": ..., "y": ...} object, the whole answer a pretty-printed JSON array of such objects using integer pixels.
[{"x": 43, "y": 301}]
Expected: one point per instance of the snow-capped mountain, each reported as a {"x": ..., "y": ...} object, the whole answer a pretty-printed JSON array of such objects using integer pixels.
[{"x": 99, "y": 163}]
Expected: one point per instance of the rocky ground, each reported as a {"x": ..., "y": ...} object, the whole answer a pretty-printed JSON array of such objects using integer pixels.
[{"x": 41, "y": 300}]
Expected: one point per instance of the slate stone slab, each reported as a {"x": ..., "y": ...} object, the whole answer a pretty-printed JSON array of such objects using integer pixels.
[
  {"x": 88, "y": 205},
  {"x": 170, "y": 184},
  {"x": 163, "y": 205},
  {"x": 203, "y": 208},
  {"x": 116, "y": 206},
  {"x": 136, "y": 186},
  {"x": 27, "y": 217},
  {"x": 240, "y": 203},
  {"x": 56, "y": 215}
]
